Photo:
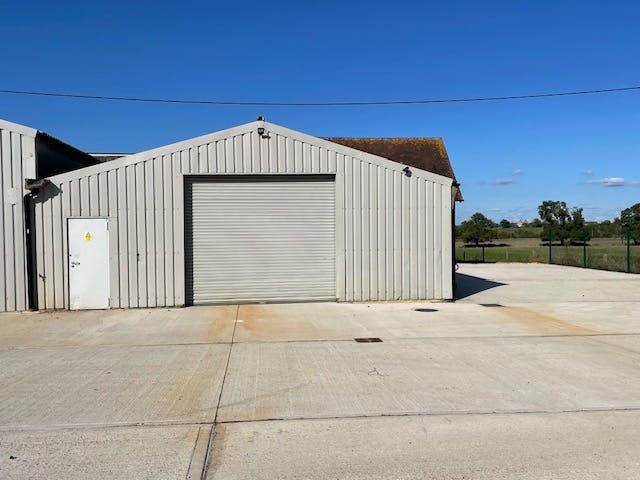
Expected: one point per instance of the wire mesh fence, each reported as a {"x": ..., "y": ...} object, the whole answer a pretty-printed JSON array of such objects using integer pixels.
[{"x": 615, "y": 254}]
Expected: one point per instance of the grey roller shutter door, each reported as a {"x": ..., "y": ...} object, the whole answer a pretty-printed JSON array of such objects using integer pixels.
[{"x": 252, "y": 239}]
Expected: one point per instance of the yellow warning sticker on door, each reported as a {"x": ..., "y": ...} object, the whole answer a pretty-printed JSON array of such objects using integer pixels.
[{"x": 88, "y": 236}]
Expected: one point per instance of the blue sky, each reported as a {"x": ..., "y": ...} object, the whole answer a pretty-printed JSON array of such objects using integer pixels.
[{"x": 338, "y": 51}]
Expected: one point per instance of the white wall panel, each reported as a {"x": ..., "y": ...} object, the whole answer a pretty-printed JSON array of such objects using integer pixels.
[
  {"x": 17, "y": 162},
  {"x": 393, "y": 232}
]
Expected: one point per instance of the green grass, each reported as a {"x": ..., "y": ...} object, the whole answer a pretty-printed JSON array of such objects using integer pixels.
[{"x": 602, "y": 254}]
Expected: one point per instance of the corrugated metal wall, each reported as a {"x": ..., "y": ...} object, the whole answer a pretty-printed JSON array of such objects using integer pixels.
[
  {"x": 17, "y": 161},
  {"x": 393, "y": 232}
]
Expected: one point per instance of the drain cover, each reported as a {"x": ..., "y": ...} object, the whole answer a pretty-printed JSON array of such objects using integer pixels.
[
  {"x": 368, "y": 340},
  {"x": 491, "y": 305},
  {"x": 425, "y": 310}
]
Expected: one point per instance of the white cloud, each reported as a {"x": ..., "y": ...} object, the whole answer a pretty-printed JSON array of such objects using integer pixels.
[
  {"x": 503, "y": 181},
  {"x": 610, "y": 182},
  {"x": 518, "y": 171},
  {"x": 587, "y": 172}
]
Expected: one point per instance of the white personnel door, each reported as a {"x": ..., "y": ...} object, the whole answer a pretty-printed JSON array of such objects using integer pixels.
[{"x": 88, "y": 263}]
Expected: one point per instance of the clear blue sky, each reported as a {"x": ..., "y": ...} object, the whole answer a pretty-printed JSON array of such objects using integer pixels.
[{"x": 327, "y": 50}]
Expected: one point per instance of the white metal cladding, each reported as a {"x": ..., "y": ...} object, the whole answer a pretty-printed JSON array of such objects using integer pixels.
[
  {"x": 393, "y": 232},
  {"x": 17, "y": 162},
  {"x": 264, "y": 238}
]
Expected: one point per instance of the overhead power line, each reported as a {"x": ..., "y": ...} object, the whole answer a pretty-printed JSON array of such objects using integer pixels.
[{"x": 319, "y": 104}]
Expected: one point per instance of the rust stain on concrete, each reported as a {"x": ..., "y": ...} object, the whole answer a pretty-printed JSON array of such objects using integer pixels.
[
  {"x": 263, "y": 410},
  {"x": 270, "y": 321},
  {"x": 221, "y": 325},
  {"x": 195, "y": 392},
  {"x": 545, "y": 324}
]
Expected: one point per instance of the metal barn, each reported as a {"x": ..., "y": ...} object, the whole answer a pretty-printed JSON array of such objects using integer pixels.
[
  {"x": 25, "y": 155},
  {"x": 255, "y": 213}
]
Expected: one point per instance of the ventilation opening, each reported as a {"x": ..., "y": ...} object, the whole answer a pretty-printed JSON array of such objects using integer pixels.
[
  {"x": 491, "y": 305},
  {"x": 425, "y": 310},
  {"x": 368, "y": 340}
]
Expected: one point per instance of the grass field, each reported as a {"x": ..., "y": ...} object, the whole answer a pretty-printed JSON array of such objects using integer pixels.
[{"x": 602, "y": 253}]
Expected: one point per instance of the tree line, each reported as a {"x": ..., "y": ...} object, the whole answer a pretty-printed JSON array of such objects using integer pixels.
[{"x": 556, "y": 222}]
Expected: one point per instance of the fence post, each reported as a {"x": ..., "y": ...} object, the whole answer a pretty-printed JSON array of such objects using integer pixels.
[
  {"x": 584, "y": 249},
  {"x": 550, "y": 239},
  {"x": 628, "y": 250},
  {"x": 482, "y": 253}
]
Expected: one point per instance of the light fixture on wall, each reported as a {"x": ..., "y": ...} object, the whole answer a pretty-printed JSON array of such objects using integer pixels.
[{"x": 261, "y": 130}]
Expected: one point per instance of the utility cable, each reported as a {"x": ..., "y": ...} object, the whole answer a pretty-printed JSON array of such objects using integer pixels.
[{"x": 319, "y": 104}]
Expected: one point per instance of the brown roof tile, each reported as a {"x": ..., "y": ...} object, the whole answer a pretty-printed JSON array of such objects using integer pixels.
[{"x": 427, "y": 154}]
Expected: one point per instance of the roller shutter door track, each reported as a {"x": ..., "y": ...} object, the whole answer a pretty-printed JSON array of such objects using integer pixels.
[{"x": 260, "y": 239}]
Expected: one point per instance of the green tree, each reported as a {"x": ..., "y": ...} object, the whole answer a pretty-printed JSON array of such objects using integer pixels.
[
  {"x": 536, "y": 223},
  {"x": 478, "y": 229},
  {"x": 605, "y": 229},
  {"x": 561, "y": 223},
  {"x": 554, "y": 216},
  {"x": 504, "y": 223},
  {"x": 630, "y": 221},
  {"x": 575, "y": 227}
]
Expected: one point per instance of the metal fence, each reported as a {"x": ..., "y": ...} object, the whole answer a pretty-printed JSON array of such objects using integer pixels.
[{"x": 621, "y": 255}]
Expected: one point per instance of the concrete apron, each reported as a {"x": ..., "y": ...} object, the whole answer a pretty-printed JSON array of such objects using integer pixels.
[
  {"x": 117, "y": 394},
  {"x": 135, "y": 393},
  {"x": 523, "y": 389}
]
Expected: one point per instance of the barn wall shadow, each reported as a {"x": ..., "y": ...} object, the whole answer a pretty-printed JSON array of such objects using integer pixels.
[{"x": 467, "y": 285}]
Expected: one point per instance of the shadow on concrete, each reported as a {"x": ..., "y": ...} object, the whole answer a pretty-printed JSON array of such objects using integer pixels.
[{"x": 467, "y": 285}]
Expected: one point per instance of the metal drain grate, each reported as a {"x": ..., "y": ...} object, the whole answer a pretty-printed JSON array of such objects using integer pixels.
[
  {"x": 491, "y": 305},
  {"x": 368, "y": 340},
  {"x": 425, "y": 310}
]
